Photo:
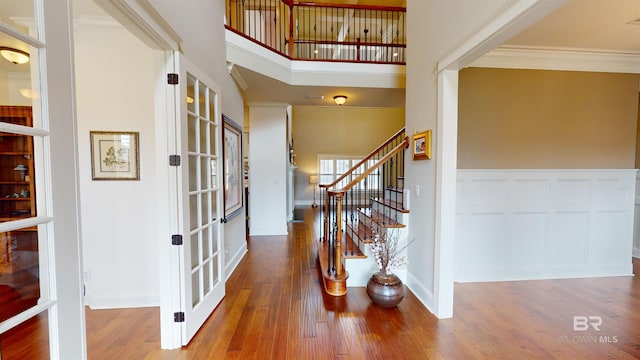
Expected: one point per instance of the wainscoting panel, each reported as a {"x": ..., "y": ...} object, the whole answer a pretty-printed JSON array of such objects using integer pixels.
[{"x": 541, "y": 224}]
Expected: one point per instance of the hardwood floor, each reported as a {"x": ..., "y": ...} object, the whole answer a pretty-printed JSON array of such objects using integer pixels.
[{"x": 275, "y": 309}]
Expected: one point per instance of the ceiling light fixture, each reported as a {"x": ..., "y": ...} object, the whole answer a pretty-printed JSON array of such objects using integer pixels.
[
  {"x": 14, "y": 55},
  {"x": 340, "y": 99}
]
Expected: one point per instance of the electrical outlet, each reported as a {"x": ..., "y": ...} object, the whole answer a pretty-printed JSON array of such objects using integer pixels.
[
  {"x": 417, "y": 187},
  {"x": 87, "y": 275}
]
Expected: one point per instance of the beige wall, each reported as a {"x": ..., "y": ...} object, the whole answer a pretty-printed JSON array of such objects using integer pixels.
[
  {"x": 337, "y": 130},
  {"x": 546, "y": 119},
  {"x": 638, "y": 136}
]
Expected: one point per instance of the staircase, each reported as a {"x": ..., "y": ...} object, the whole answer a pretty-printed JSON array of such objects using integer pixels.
[{"x": 373, "y": 200}]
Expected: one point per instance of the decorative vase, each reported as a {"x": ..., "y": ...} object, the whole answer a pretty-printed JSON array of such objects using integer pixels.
[{"x": 385, "y": 290}]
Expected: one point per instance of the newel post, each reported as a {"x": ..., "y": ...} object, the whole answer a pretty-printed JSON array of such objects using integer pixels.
[{"x": 338, "y": 254}]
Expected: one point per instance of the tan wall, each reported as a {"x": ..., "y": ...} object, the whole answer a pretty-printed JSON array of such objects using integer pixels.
[
  {"x": 546, "y": 119},
  {"x": 337, "y": 130},
  {"x": 638, "y": 136}
]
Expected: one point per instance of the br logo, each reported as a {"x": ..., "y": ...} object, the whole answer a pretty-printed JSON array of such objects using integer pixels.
[{"x": 583, "y": 323}]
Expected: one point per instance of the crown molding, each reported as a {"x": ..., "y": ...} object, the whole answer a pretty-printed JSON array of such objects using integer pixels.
[
  {"x": 235, "y": 74},
  {"x": 144, "y": 21},
  {"x": 566, "y": 59},
  {"x": 97, "y": 23}
]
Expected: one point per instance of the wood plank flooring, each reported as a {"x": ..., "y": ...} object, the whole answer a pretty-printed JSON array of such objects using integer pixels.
[{"x": 275, "y": 309}]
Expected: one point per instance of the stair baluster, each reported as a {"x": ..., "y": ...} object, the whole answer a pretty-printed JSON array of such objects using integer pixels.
[{"x": 342, "y": 229}]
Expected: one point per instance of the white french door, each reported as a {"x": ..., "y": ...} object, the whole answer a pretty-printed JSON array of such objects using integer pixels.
[{"x": 199, "y": 183}]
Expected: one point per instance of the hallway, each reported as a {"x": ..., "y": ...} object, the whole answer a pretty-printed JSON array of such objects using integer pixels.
[{"x": 275, "y": 309}]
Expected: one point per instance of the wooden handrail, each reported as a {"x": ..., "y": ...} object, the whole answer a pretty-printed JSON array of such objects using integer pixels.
[
  {"x": 351, "y": 6},
  {"x": 404, "y": 144},
  {"x": 281, "y": 35},
  {"x": 366, "y": 158}
]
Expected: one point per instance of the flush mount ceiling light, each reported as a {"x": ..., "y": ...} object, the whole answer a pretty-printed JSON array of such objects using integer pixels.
[
  {"x": 14, "y": 55},
  {"x": 340, "y": 99}
]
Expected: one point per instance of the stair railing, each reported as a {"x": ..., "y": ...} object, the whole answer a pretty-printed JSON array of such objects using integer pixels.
[
  {"x": 350, "y": 196},
  {"x": 327, "y": 32}
]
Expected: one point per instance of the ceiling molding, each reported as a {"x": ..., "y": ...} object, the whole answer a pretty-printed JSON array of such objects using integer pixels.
[
  {"x": 97, "y": 23},
  {"x": 233, "y": 71},
  {"x": 565, "y": 59},
  {"x": 144, "y": 21},
  {"x": 507, "y": 19}
]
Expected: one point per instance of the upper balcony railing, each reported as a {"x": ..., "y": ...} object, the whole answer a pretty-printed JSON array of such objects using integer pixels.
[{"x": 326, "y": 32}]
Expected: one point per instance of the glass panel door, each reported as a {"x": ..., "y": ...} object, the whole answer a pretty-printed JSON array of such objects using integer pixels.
[{"x": 203, "y": 261}]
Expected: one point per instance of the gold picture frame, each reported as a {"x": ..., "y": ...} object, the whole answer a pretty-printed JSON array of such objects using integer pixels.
[
  {"x": 115, "y": 155},
  {"x": 421, "y": 145}
]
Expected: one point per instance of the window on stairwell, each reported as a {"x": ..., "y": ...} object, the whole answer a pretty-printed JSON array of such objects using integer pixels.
[{"x": 332, "y": 167}]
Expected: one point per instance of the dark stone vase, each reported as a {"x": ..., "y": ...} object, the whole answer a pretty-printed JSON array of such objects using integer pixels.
[{"x": 385, "y": 290}]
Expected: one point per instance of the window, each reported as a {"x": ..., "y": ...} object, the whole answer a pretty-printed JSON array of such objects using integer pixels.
[{"x": 331, "y": 167}]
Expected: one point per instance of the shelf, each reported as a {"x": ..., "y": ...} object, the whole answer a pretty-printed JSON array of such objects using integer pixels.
[{"x": 16, "y": 151}]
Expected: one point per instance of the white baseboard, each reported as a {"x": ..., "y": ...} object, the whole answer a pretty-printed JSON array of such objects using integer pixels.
[
  {"x": 122, "y": 302},
  {"x": 233, "y": 263},
  {"x": 304, "y": 203},
  {"x": 424, "y": 295}
]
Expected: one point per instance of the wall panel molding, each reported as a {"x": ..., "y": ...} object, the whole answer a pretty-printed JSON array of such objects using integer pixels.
[{"x": 541, "y": 224}]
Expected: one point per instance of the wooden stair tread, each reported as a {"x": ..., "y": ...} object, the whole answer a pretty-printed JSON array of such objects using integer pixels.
[
  {"x": 396, "y": 205},
  {"x": 381, "y": 219},
  {"x": 361, "y": 231}
]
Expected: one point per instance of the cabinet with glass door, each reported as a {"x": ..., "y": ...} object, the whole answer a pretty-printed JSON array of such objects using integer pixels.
[{"x": 17, "y": 197}]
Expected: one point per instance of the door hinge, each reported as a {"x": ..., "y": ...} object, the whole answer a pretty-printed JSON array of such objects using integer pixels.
[
  {"x": 172, "y": 79},
  {"x": 174, "y": 160},
  {"x": 178, "y": 317},
  {"x": 176, "y": 239}
]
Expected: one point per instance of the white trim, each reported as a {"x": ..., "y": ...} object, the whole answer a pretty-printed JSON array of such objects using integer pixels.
[
  {"x": 166, "y": 183},
  {"x": 25, "y": 315},
  {"x": 506, "y": 21},
  {"x": 446, "y": 164},
  {"x": 23, "y": 223},
  {"x": 421, "y": 292},
  {"x": 144, "y": 21},
  {"x": 567, "y": 59},
  {"x": 96, "y": 23},
  {"x": 234, "y": 261},
  {"x": 235, "y": 74},
  {"x": 268, "y": 104},
  {"x": 11, "y": 31}
]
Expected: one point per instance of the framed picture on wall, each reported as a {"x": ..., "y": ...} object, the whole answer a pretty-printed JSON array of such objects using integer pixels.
[
  {"x": 232, "y": 168},
  {"x": 114, "y": 155},
  {"x": 422, "y": 145}
]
